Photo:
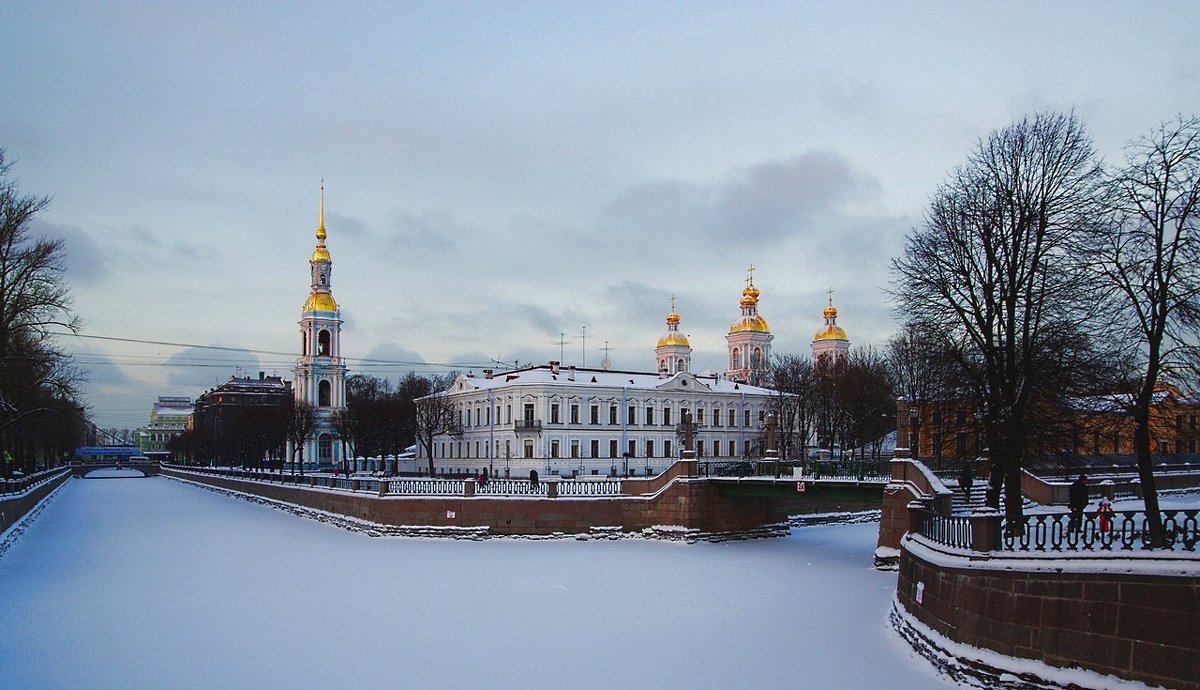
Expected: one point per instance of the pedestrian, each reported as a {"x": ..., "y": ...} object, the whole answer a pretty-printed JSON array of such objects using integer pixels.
[
  {"x": 533, "y": 479},
  {"x": 1078, "y": 500},
  {"x": 1105, "y": 514},
  {"x": 966, "y": 479},
  {"x": 484, "y": 476}
]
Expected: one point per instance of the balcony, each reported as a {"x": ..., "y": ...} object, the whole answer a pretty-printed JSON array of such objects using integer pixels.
[{"x": 528, "y": 426}]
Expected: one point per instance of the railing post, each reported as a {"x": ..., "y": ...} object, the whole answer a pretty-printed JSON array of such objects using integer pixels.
[
  {"x": 551, "y": 489},
  {"x": 985, "y": 529},
  {"x": 383, "y": 486},
  {"x": 469, "y": 488},
  {"x": 354, "y": 484},
  {"x": 916, "y": 516}
]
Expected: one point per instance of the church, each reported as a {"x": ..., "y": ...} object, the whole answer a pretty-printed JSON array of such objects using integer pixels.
[{"x": 569, "y": 421}]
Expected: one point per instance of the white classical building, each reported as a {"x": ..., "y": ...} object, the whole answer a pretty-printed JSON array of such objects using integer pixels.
[
  {"x": 567, "y": 421},
  {"x": 320, "y": 373}
]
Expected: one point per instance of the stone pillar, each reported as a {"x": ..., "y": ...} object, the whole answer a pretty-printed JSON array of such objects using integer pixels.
[
  {"x": 916, "y": 517},
  {"x": 902, "y": 411},
  {"x": 985, "y": 529},
  {"x": 689, "y": 447},
  {"x": 772, "y": 452},
  {"x": 469, "y": 488},
  {"x": 383, "y": 487},
  {"x": 551, "y": 489}
]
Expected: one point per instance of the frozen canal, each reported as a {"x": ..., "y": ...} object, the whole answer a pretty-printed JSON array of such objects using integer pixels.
[{"x": 152, "y": 583}]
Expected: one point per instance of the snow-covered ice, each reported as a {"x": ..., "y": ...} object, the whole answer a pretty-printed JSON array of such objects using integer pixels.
[{"x": 154, "y": 583}]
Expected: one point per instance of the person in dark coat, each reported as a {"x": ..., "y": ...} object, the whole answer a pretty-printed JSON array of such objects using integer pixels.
[
  {"x": 533, "y": 479},
  {"x": 1078, "y": 501},
  {"x": 966, "y": 479}
]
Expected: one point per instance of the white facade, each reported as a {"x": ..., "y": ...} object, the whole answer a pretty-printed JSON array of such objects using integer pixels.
[
  {"x": 569, "y": 421},
  {"x": 320, "y": 373}
]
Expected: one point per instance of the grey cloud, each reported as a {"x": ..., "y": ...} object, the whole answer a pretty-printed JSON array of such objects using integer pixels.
[
  {"x": 428, "y": 232},
  {"x": 85, "y": 261},
  {"x": 196, "y": 366},
  {"x": 770, "y": 201},
  {"x": 850, "y": 95}
]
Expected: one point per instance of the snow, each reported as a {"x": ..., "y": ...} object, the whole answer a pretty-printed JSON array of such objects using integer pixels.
[{"x": 157, "y": 583}]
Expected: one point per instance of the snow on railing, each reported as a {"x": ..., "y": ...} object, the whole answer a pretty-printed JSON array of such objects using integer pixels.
[
  {"x": 30, "y": 482},
  {"x": 511, "y": 487},
  {"x": 589, "y": 488},
  {"x": 426, "y": 487}
]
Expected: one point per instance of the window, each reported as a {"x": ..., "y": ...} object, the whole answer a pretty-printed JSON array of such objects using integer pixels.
[
  {"x": 574, "y": 414},
  {"x": 595, "y": 414},
  {"x": 746, "y": 418},
  {"x": 612, "y": 448},
  {"x": 762, "y": 417},
  {"x": 666, "y": 449},
  {"x": 529, "y": 449},
  {"x": 595, "y": 448},
  {"x": 632, "y": 450},
  {"x": 508, "y": 414},
  {"x": 324, "y": 393},
  {"x": 574, "y": 449},
  {"x": 733, "y": 449},
  {"x": 529, "y": 412},
  {"x": 666, "y": 415},
  {"x": 323, "y": 344},
  {"x": 699, "y": 449},
  {"x": 716, "y": 449},
  {"x": 716, "y": 416},
  {"x": 554, "y": 413},
  {"x": 631, "y": 418},
  {"x": 735, "y": 359},
  {"x": 649, "y": 449},
  {"x": 612, "y": 414},
  {"x": 732, "y": 417},
  {"x": 649, "y": 415}
]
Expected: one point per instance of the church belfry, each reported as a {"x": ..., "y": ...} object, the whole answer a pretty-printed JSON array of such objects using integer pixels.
[
  {"x": 673, "y": 352},
  {"x": 749, "y": 339},
  {"x": 320, "y": 373},
  {"x": 831, "y": 340}
]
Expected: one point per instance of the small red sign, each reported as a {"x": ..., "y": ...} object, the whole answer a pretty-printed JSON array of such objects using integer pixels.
[{"x": 801, "y": 487}]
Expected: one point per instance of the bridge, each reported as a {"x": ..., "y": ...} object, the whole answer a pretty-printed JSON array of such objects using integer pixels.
[{"x": 148, "y": 468}]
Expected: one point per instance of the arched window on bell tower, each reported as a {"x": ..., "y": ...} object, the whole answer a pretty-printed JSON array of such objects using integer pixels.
[
  {"x": 323, "y": 344},
  {"x": 323, "y": 394},
  {"x": 303, "y": 343}
]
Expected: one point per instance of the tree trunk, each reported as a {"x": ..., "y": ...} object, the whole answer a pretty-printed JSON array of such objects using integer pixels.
[{"x": 1145, "y": 465}]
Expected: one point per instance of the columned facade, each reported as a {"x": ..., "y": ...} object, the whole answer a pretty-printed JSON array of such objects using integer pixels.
[{"x": 320, "y": 373}]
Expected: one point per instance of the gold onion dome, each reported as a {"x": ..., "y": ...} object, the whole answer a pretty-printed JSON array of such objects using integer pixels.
[
  {"x": 754, "y": 323},
  {"x": 831, "y": 331},
  {"x": 320, "y": 301},
  {"x": 673, "y": 336}
]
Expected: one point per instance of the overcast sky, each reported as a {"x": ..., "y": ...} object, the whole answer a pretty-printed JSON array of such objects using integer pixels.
[{"x": 500, "y": 173}]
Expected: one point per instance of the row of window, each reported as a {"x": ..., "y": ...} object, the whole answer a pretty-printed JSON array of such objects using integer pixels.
[
  {"x": 646, "y": 448},
  {"x": 483, "y": 416}
]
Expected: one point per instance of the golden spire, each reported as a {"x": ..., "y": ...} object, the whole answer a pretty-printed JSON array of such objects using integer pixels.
[{"x": 321, "y": 220}]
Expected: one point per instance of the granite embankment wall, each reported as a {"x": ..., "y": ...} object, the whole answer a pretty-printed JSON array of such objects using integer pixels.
[
  {"x": 688, "y": 502},
  {"x": 14, "y": 506},
  {"x": 1091, "y": 613}
]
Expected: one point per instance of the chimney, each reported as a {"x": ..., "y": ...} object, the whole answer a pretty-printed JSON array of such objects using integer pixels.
[
  {"x": 571, "y": 373},
  {"x": 487, "y": 374},
  {"x": 553, "y": 366}
]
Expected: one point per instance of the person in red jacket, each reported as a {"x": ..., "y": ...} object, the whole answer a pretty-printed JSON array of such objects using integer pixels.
[{"x": 1105, "y": 514}]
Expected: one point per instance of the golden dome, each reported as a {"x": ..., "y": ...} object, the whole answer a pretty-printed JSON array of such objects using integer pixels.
[
  {"x": 831, "y": 332},
  {"x": 320, "y": 301},
  {"x": 673, "y": 338},
  {"x": 672, "y": 318},
  {"x": 753, "y": 324},
  {"x": 321, "y": 254}
]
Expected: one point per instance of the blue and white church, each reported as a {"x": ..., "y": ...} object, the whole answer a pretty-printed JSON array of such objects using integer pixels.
[{"x": 320, "y": 373}]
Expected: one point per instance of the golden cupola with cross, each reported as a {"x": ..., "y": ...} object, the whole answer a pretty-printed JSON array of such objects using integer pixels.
[
  {"x": 673, "y": 352},
  {"x": 832, "y": 338},
  {"x": 749, "y": 339}
]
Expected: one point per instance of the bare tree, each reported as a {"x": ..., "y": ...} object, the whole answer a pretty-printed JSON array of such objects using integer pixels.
[
  {"x": 301, "y": 421},
  {"x": 1149, "y": 257},
  {"x": 990, "y": 269},
  {"x": 794, "y": 405},
  {"x": 434, "y": 416},
  {"x": 866, "y": 400}
]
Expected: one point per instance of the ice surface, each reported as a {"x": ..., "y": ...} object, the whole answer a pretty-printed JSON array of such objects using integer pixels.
[{"x": 153, "y": 583}]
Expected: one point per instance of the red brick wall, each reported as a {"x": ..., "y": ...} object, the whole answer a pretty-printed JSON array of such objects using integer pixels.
[
  {"x": 1139, "y": 627},
  {"x": 690, "y": 503},
  {"x": 13, "y": 508}
]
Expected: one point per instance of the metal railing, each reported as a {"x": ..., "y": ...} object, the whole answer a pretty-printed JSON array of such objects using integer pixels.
[
  {"x": 29, "y": 482},
  {"x": 1127, "y": 530},
  {"x": 426, "y": 487},
  {"x": 511, "y": 487},
  {"x": 948, "y": 530},
  {"x": 589, "y": 488}
]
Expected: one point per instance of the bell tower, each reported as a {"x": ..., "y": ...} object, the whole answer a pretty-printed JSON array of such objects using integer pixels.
[
  {"x": 673, "y": 353},
  {"x": 320, "y": 373},
  {"x": 749, "y": 339}
]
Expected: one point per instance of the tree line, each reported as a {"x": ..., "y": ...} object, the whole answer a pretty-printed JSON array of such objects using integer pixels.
[
  {"x": 42, "y": 417},
  {"x": 1041, "y": 276}
]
